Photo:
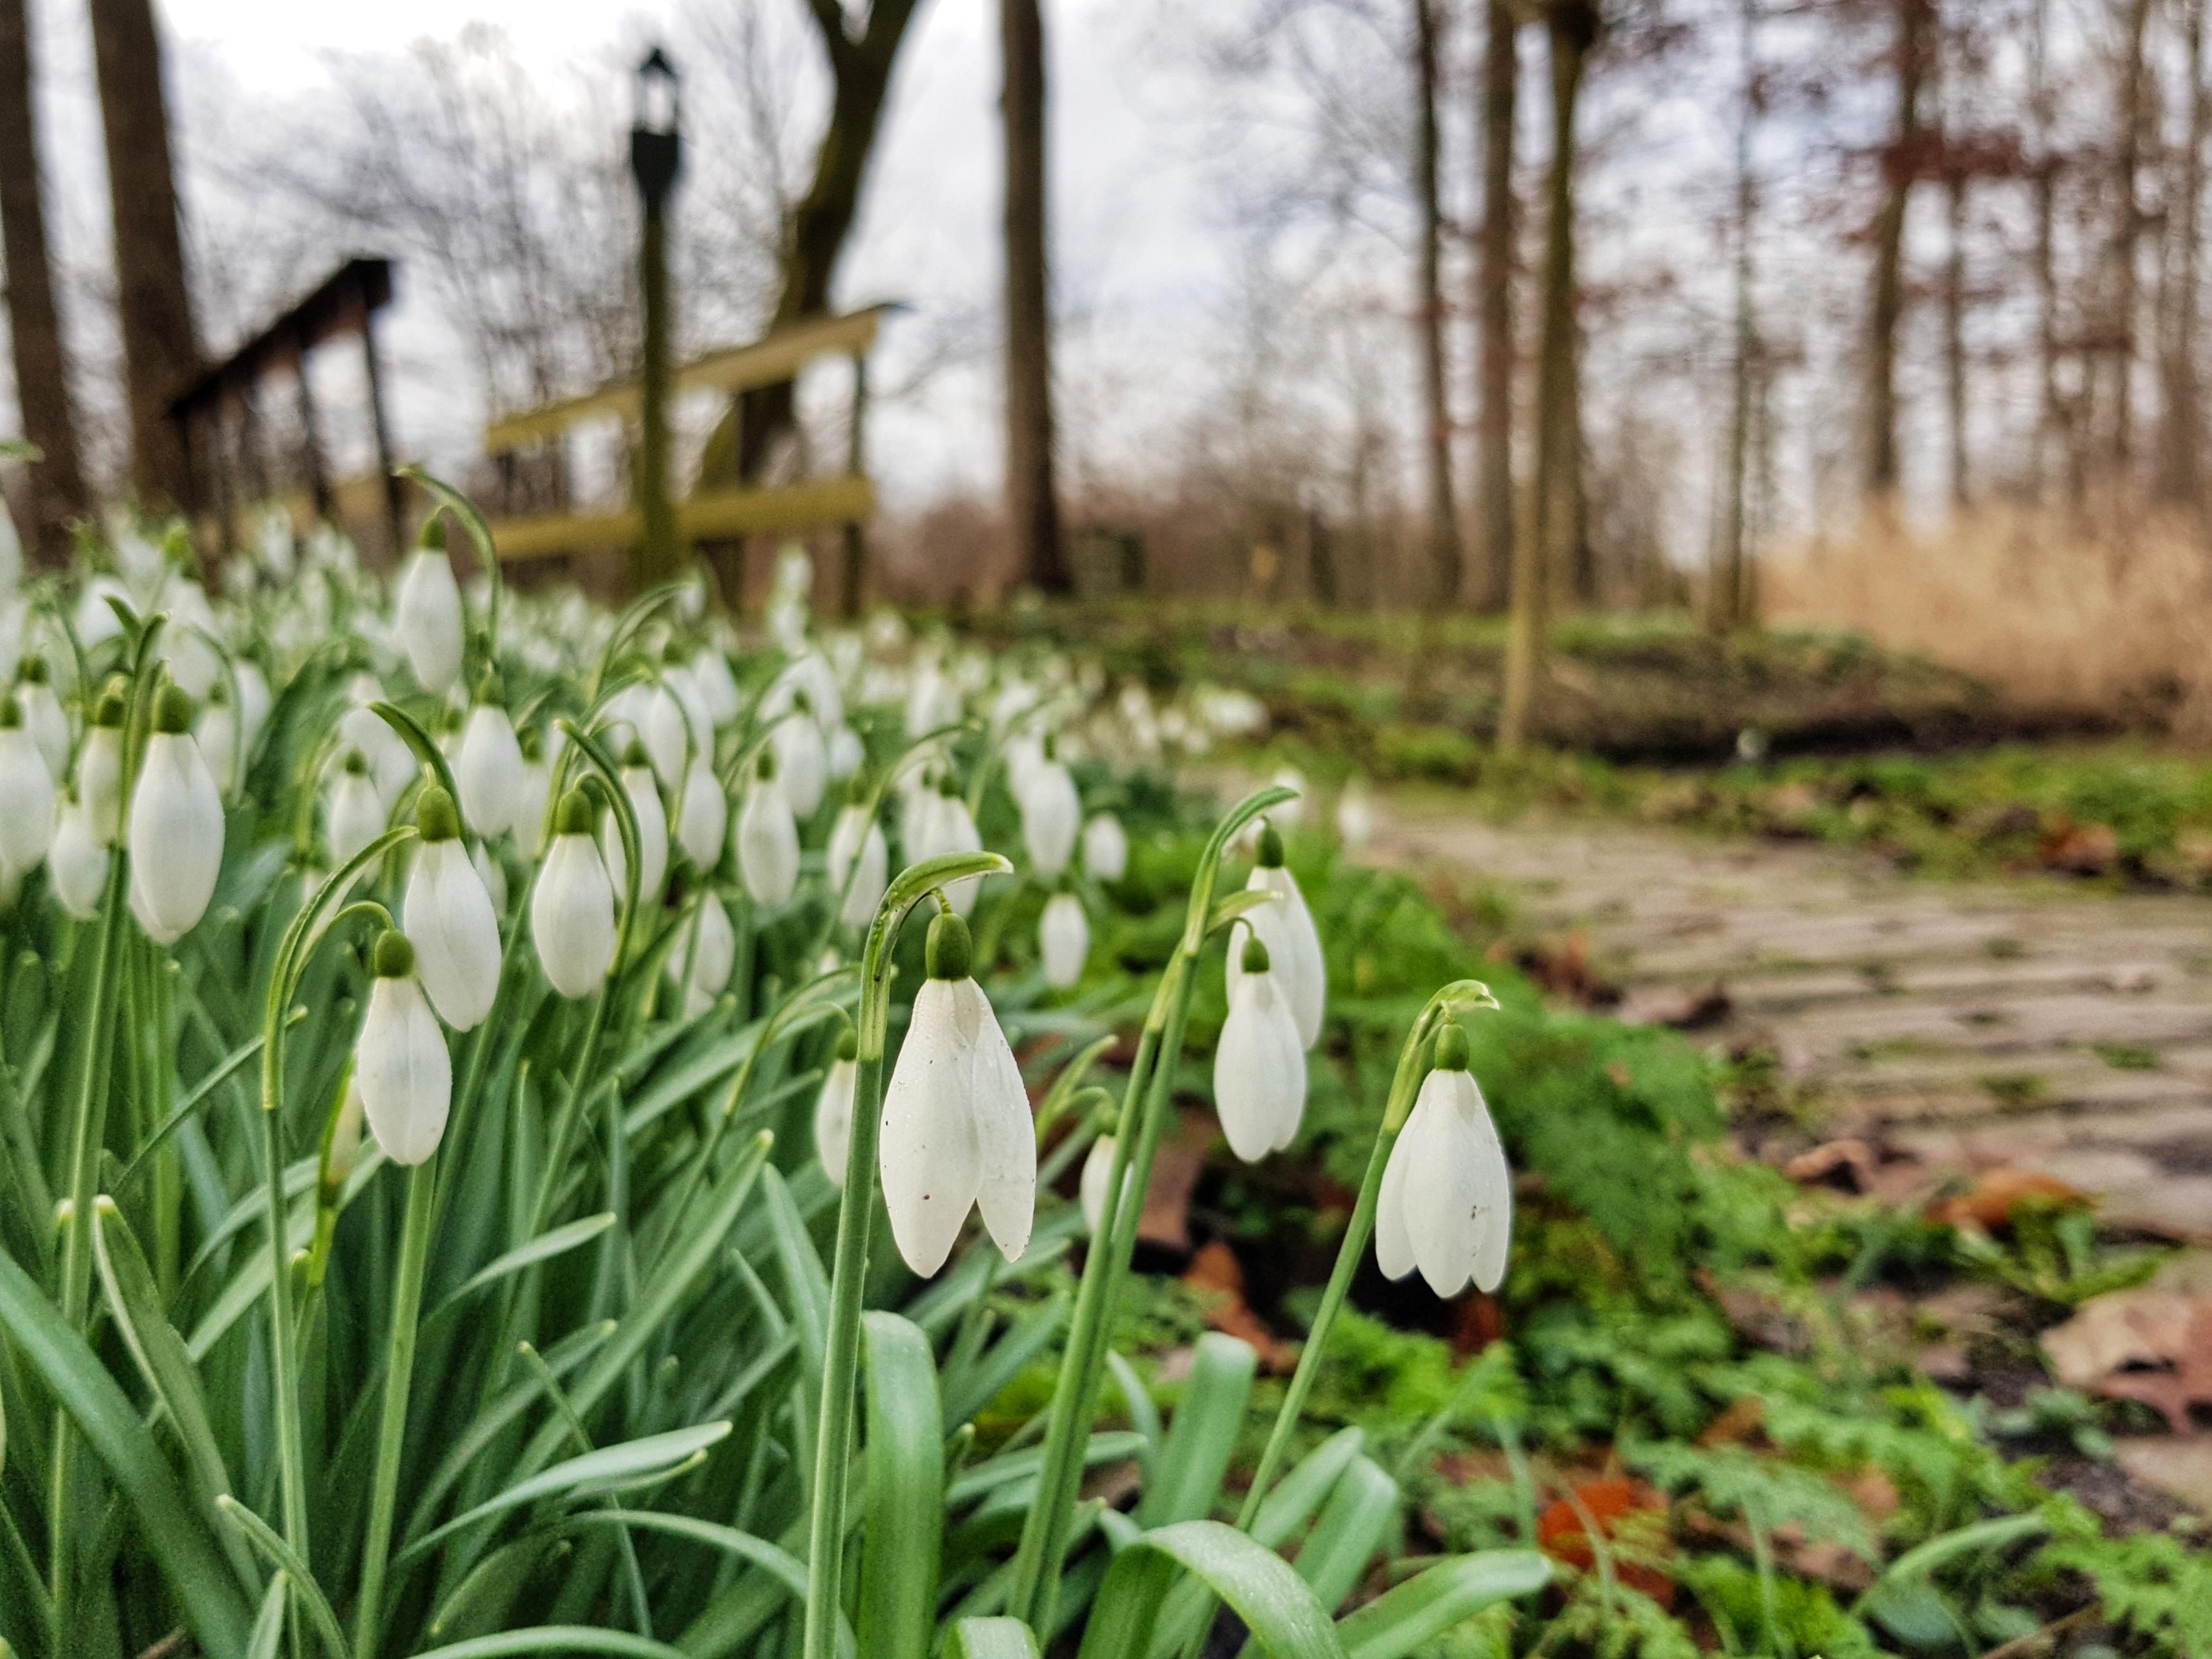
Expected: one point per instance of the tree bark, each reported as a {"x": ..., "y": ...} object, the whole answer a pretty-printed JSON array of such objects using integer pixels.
[
  {"x": 740, "y": 448},
  {"x": 1032, "y": 497},
  {"x": 35, "y": 327},
  {"x": 2050, "y": 422},
  {"x": 1899, "y": 168},
  {"x": 1501, "y": 81},
  {"x": 1445, "y": 561},
  {"x": 1573, "y": 28},
  {"x": 1728, "y": 605},
  {"x": 160, "y": 351},
  {"x": 2181, "y": 479},
  {"x": 2127, "y": 232},
  {"x": 1955, "y": 331}
]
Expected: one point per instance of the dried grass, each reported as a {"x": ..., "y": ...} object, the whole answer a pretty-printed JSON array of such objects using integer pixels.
[{"x": 2088, "y": 615}]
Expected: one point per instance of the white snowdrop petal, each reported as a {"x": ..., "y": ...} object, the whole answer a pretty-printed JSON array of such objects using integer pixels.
[
  {"x": 768, "y": 845},
  {"x": 1005, "y": 1134},
  {"x": 100, "y": 782},
  {"x": 489, "y": 771},
  {"x": 426, "y": 617},
  {"x": 667, "y": 732},
  {"x": 78, "y": 864},
  {"x": 702, "y": 817},
  {"x": 1393, "y": 1238},
  {"x": 405, "y": 1073},
  {"x": 1063, "y": 939},
  {"x": 1259, "y": 1070},
  {"x": 1494, "y": 1195},
  {"x": 27, "y": 801},
  {"x": 833, "y": 1119},
  {"x": 449, "y": 917},
  {"x": 572, "y": 917},
  {"x": 175, "y": 838},
  {"x": 1105, "y": 848},
  {"x": 1098, "y": 1174},
  {"x": 802, "y": 765},
  {"x": 1441, "y": 1185},
  {"x": 1052, "y": 818},
  {"x": 930, "y": 1165}
]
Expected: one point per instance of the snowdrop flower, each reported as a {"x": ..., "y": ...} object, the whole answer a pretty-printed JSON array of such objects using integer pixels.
[
  {"x": 800, "y": 761},
  {"x": 833, "y": 1110},
  {"x": 1287, "y": 927},
  {"x": 767, "y": 840},
  {"x": 666, "y": 731},
  {"x": 100, "y": 770},
  {"x": 77, "y": 862},
  {"x": 700, "y": 964},
  {"x": 362, "y": 728},
  {"x": 931, "y": 701},
  {"x": 1098, "y": 1171},
  {"x": 1355, "y": 814},
  {"x": 450, "y": 918},
  {"x": 192, "y": 661},
  {"x": 427, "y": 612},
  {"x": 957, "y": 1130},
  {"x": 176, "y": 826},
  {"x": 1105, "y": 848},
  {"x": 494, "y": 878},
  {"x": 952, "y": 830},
  {"x": 846, "y": 755},
  {"x": 489, "y": 769},
  {"x": 95, "y": 621},
  {"x": 254, "y": 702},
  {"x": 354, "y": 814},
  {"x": 399, "y": 1061},
  {"x": 1290, "y": 813},
  {"x": 1064, "y": 940},
  {"x": 532, "y": 787},
  {"x": 1052, "y": 816},
  {"x": 718, "y": 687},
  {"x": 572, "y": 914},
  {"x": 857, "y": 849},
  {"x": 217, "y": 735},
  {"x": 26, "y": 796},
  {"x": 1446, "y": 1204},
  {"x": 703, "y": 815},
  {"x": 652, "y": 832},
  {"x": 43, "y": 717},
  {"x": 1259, "y": 1064},
  {"x": 1025, "y": 760}
]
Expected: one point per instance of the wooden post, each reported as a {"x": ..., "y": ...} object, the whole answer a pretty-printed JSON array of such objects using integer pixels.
[
  {"x": 395, "y": 501},
  {"x": 319, "y": 482}
]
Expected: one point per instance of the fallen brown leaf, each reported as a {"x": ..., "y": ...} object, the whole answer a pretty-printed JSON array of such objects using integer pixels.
[
  {"x": 2151, "y": 1346},
  {"x": 1218, "y": 1278},
  {"x": 1849, "y": 1163},
  {"x": 1988, "y": 1203}
]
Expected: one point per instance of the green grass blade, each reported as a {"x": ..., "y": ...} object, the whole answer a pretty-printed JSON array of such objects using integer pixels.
[
  {"x": 1203, "y": 1436},
  {"x": 1362, "y": 1511},
  {"x": 556, "y": 1638},
  {"x": 779, "y": 1564},
  {"x": 990, "y": 1638},
  {"x": 1303, "y": 1491},
  {"x": 806, "y": 1284},
  {"x": 1006, "y": 1468},
  {"x": 1144, "y": 1415},
  {"x": 905, "y": 1521},
  {"x": 264, "y": 1538},
  {"x": 1423, "y": 1608},
  {"x": 977, "y": 1385},
  {"x": 1285, "y": 1618},
  {"x": 543, "y": 1248},
  {"x": 175, "y": 1531},
  {"x": 1939, "y": 1551},
  {"x": 267, "y": 1634}
]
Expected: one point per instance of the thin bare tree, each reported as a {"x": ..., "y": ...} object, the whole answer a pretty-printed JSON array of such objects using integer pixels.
[
  {"x": 1901, "y": 163},
  {"x": 1501, "y": 80},
  {"x": 1443, "y": 529},
  {"x": 1032, "y": 495}
]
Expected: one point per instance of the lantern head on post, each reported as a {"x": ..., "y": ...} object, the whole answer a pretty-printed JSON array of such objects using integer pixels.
[{"x": 656, "y": 148}]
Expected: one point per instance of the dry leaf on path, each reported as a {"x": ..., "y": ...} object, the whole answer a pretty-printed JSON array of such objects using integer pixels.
[
  {"x": 2151, "y": 1346},
  {"x": 1988, "y": 1203},
  {"x": 1218, "y": 1278}
]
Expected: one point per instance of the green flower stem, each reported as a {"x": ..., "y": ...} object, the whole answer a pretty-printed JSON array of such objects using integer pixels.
[
  {"x": 855, "y": 1216},
  {"x": 398, "y": 1381},
  {"x": 1150, "y": 1090}
]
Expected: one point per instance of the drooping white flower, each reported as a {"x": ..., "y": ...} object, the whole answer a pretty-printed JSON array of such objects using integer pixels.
[
  {"x": 1063, "y": 939},
  {"x": 951, "y": 828},
  {"x": 493, "y": 875},
  {"x": 956, "y": 1130},
  {"x": 533, "y": 789},
  {"x": 1446, "y": 1206},
  {"x": 1051, "y": 817},
  {"x": 43, "y": 717},
  {"x": 572, "y": 914},
  {"x": 703, "y": 815},
  {"x": 26, "y": 796},
  {"x": 450, "y": 918},
  {"x": 1286, "y": 928},
  {"x": 176, "y": 826},
  {"x": 652, "y": 833},
  {"x": 833, "y": 1111},
  {"x": 1259, "y": 1064},
  {"x": 185, "y": 644},
  {"x": 807, "y": 675},
  {"x": 767, "y": 840},
  {"x": 700, "y": 964},
  {"x": 857, "y": 850},
  {"x": 218, "y": 733},
  {"x": 254, "y": 702},
  {"x": 361, "y": 727},
  {"x": 800, "y": 761},
  {"x": 931, "y": 701},
  {"x": 100, "y": 770},
  {"x": 667, "y": 732},
  {"x": 427, "y": 612},
  {"x": 1355, "y": 814},
  {"x": 399, "y": 1061},
  {"x": 487, "y": 772},
  {"x": 846, "y": 754},
  {"x": 77, "y": 862},
  {"x": 354, "y": 814},
  {"x": 718, "y": 687},
  {"x": 1098, "y": 1171},
  {"x": 1105, "y": 848}
]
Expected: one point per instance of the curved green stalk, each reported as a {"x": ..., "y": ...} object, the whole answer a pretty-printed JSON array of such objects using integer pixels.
[
  {"x": 833, "y": 1445},
  {"x": 399, "y": 1382},
  {"x": 1144, "y": 1104}
]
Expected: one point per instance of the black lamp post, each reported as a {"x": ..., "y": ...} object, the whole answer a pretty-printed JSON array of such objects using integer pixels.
[{"x": 656, "y": 157}]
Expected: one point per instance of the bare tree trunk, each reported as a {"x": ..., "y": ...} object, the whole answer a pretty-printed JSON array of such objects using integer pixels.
[
  {"x": 160, "y": 348},
  {"x": 2180, "y": 472},
  {"x": 1501, "y": 81},
  {"x": 1573, "y": 28},
  {"x": 741, "y": 445},
  {"x": 35, "y": 329},
  {"x": 1899, "y": 166},
  {"x": 1955, "y": 331},
  {"x": 1444, "y": 572},
  {"x": 2127, "y": 232},
  {"x": 1728, "y": 607},
  {"x": 1032, "y": 500}
]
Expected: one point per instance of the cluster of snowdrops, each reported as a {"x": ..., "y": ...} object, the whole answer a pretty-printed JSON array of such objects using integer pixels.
[{"x": 698, "y": 786}]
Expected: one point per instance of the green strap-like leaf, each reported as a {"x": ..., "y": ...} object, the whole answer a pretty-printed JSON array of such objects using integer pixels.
[
  {"x": 175, "y": 1531},
  {"x": 1274, "y": 1602},
  {"x": 556, "y": 1638},
  {"x": 1300, "y": 1492},
  {"x": 1423, "y": 1608},
  {"x": 990, "y": 1638},
  {"x": 1203, "y": 1436},
  {"x": 543, "y": 1248},
  {"x": 905, "y": 1492},
  {"x": 1362, "y": 1511},
  {"x": 263, "y": 1537},
  {"x": 268, "y": 1625}
]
